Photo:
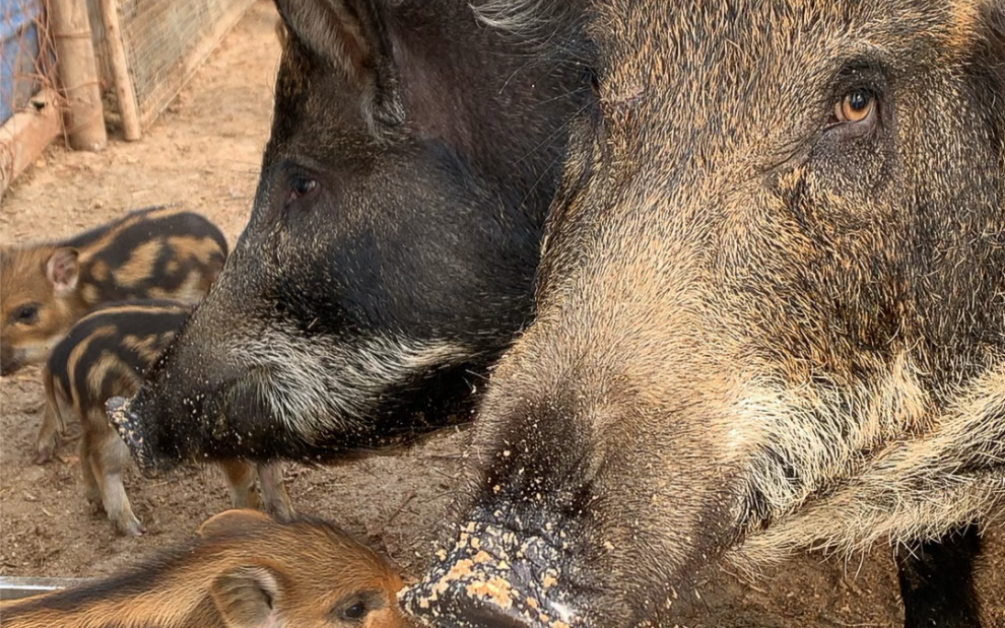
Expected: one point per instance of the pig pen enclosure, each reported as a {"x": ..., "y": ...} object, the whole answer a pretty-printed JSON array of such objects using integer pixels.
[{"x": 203, "y": 152}]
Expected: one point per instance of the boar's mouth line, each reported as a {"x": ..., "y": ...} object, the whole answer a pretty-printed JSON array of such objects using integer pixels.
[
  {"x": 313, "y": 390},
  {"x": 282, "y": 394}
]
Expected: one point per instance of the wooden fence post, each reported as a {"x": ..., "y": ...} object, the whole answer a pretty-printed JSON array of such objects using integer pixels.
[
  {"x": 120, "y": 69},
  {"x": 84, "y": 118}
]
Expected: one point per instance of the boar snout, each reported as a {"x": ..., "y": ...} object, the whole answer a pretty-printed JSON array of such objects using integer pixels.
[
  {"x": 130, "y": 429},
  {"x": 497, "y": 578}
]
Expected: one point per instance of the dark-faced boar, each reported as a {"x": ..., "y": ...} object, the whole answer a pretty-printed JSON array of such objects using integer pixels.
[
  {"x": 770, "y": 316},
  {"x": 390, "y": 253},
  {"x": 153, "y": 253},
  {"x": 106, "y": 355},
  {"x": 243, "y": 571}
]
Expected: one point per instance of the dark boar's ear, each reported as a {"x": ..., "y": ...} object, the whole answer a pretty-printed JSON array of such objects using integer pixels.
[
  {"x": 350, "y": 36},
  {"x": 991, "y": 35}
]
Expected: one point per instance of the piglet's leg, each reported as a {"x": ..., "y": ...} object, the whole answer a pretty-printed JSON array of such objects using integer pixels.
[
  {"x": 241, "y": 483},
  {"x": 48, "y": 433},
  {"x": 109, "y": 456},
  {"x": 277, "y": 500}
]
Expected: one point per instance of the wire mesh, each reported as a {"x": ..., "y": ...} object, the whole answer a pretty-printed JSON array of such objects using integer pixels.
[
  {"x": 164, "y": 41},
  {"x": 26, "y": 60}
]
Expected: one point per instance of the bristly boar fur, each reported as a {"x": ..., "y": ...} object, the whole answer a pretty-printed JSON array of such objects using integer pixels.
[
  {"x": 106, "y": 354},
  {"x": 243, "y": 571},
  {"x": 390, "y": 255},
  {"x": 152, "y": 253},
  {"x": 770, "y": 316}
]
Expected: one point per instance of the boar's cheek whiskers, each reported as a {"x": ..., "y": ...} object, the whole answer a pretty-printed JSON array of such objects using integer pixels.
[
  {"x": 786, "y": 467},
  {"x": 305, "y": 385},
  {"x": 911, "y": 489}
]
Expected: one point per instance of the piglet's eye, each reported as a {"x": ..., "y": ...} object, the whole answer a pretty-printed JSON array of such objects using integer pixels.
[
  {"x": 301, "y": 187},
  {"x": 27, "y": 314},
  {"x": 855, "y": 106}
]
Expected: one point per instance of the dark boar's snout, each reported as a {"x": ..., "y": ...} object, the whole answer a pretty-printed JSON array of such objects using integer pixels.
[
  {"x": 133, "y": 431},
  {"x": 130, "y": 429}
]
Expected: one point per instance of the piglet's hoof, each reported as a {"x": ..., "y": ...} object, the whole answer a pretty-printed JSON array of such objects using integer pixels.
[
  {"x": 131, "y": 527},
  {"x": 42, "y": 456}
]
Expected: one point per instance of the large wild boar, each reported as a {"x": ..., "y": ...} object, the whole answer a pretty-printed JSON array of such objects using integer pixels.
[
  {"x": 769, "y": 316},
  {"x": 390, "y": 253}
]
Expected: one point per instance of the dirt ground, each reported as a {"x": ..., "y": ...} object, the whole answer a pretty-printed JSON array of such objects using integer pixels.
[{"x": 204, "y": 153}]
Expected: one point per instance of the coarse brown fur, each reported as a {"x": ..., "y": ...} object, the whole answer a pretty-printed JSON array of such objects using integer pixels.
[
  {"x": 761, "y": 326},
  {"x": 243, "y": 571},
  {"x": 105, "y": 355},
  {"x": 154, "y": 253}
]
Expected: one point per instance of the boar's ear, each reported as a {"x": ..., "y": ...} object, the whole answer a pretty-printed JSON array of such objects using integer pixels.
[
  {"x": 232, "y": 521},
  {"x": 246, "y": 597},
  {"x": 62, "y": 270},
  {"x": 351, "y": 36},
  {"x": 991, "y": 33},
  {"x": 281, "y": 33}
]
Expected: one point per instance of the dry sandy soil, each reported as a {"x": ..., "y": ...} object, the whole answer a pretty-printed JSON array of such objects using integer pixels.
[{"x": 204, "y": 153}]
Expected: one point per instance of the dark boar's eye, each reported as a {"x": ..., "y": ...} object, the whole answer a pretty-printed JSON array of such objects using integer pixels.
[
  {"x": 301, "y": 187},
  {"x": 856, "y": 106}
]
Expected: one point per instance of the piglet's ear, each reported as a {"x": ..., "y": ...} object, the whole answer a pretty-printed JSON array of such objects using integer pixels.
[
  {"x": 246, "y": 597},
  {"x": 235, "y": 521},
  {"x": 352, "y": 37},
  {"x": 63, "y": 270}
]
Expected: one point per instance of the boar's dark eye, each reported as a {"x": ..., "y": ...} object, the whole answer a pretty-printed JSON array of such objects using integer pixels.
[
  {"x": 855, "y": 106},
  {"x": 26, "y": 314},
  {"x": 356, "y": 611},
  {"x": 301, "y": 187}
]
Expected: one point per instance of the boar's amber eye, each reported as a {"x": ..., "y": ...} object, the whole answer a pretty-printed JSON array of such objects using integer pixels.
[
  {"x": 301, "y": 187},
  {"x": 855, "y": 106},
  {"x": 26, "y": 314}
]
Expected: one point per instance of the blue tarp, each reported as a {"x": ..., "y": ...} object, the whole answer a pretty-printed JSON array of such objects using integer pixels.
[{"x": 18, "y": 53}]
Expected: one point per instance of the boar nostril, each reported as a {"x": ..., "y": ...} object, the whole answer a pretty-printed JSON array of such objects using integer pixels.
[
  {"x": 455, "y": 608},
  {"x": 115, "y": 404},
  {"x": 478, "y": 615}
]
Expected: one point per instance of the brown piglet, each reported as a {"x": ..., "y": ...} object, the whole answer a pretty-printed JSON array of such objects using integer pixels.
[
  {"x": 153, "y": 253},
  {"x": 244, "y": 570},
  {"x": 105, "y": 354}
]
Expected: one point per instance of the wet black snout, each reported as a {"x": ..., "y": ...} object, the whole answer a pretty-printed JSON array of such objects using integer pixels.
[
  {"x": 493, "y": 578},
  {"x": 130, "y": 429},
  {"x": 455, "y": 607}
]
